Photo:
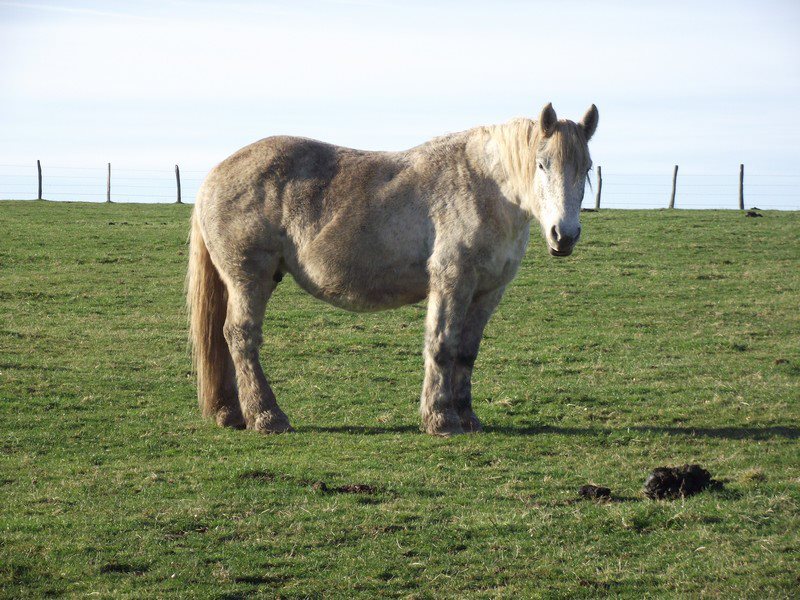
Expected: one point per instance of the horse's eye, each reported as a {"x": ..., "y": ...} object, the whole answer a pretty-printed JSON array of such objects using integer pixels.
[{"x": 541, "y": 166}]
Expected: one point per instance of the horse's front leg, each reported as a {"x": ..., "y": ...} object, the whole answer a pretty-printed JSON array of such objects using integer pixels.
[
  {"x": 447, "y": 308},
  {"x": 478, "y": 314}
]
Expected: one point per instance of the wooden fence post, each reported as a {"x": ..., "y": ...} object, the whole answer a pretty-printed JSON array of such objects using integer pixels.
[
  {"x": 178, "y": 180},
  {"x": 599, "y": 188},
  {"x": 39, "y": 168},
  {"x": 674, "y": 181},
  {"x": 108, "y": 184},
  {"x": 741, "y": 187}
]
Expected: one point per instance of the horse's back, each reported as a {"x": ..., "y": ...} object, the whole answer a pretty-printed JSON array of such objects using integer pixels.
[{"x": 350, "y": 226}]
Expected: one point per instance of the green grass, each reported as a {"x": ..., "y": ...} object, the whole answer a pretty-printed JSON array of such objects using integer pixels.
[{"x": 668, "y": 337}]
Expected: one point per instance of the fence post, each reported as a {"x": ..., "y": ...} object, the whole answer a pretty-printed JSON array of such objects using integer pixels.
[
  {"x": 599, "y": 188},
  {"x": 39, "y": 168},
  {"x": 674, "y": 181},
  {"x": 108, "y": 184},
  {"x": 178, "y": 180},
  {"x": 741, "y": 187}
]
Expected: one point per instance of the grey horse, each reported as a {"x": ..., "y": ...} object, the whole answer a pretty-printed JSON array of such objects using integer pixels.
[{"x": 448, "y": 220}]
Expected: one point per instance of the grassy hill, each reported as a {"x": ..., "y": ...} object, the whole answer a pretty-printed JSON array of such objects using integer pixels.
[{"x": 667, "y": 338}]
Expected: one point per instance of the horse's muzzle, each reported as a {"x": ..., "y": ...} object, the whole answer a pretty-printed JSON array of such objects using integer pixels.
[{"x": 561, "y": 243}]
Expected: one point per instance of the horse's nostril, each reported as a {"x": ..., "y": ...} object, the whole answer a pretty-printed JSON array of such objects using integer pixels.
[{"x": 554, "y": 233}]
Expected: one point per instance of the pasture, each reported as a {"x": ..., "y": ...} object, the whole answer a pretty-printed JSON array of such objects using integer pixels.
[{"x": 668, "y": 337}]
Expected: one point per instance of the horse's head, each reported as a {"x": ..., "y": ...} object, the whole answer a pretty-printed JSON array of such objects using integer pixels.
[{"x": 562, "y": 165}]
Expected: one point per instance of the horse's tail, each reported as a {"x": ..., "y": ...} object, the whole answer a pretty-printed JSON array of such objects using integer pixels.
[{"x": 206, "y": 301}]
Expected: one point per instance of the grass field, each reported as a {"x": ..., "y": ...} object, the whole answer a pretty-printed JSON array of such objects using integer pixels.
[{"x": 668, "y": 337}]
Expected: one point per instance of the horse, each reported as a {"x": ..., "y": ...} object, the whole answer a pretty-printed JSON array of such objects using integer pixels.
[{"x": 448, "y": 220}]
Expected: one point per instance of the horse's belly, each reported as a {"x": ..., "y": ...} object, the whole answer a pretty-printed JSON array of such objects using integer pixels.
[
  {"x": 367, "y": 259},
  {"x": 364, "y": 283}
]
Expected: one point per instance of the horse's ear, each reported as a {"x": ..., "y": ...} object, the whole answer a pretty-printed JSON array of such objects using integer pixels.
[
  {"x": 548, "y": 120},
  {"x": 589, "y": 122}
]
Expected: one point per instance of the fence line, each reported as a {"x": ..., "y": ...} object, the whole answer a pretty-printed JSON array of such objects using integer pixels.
[
  {"x": 741, "y": 187},
  {"x": 611, "y": 189},
  {"x": 763, "y": 191},
  {"x": 674, "y": 183}
]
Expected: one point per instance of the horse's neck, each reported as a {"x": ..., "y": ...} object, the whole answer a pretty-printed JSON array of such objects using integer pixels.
[{"x": 509, "y": 159}]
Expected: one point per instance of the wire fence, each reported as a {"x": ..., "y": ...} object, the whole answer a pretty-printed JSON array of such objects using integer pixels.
[
  {"x": 619, "y": 189},
  {"x": 772, "y": 191},
  {"x": 91, "y": 184}
]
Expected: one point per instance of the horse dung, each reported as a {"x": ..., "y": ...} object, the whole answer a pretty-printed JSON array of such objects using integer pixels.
[{"x": 677, "y": 482}]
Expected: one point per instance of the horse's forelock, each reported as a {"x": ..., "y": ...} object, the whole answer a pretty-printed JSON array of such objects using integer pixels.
[
  {"x": 568, "y": 147},
  {"x": 520, "y": 140}
]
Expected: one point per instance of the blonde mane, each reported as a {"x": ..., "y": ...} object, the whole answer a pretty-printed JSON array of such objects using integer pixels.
[
  {"x": 515, "y": 143},
  {"x": 568, "y": 147},
  {"x": 520, "y": 141}
]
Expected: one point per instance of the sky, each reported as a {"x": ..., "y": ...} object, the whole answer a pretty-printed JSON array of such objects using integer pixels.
[{"x": 148, "y": 84}]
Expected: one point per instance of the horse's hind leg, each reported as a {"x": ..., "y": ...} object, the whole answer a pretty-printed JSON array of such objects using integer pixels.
[
  {"x": 246, "y": 304},
  {"x": 229, "y": 412},
  {"x": 478, "y": 315}
]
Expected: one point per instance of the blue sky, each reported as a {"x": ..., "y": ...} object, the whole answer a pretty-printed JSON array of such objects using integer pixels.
[{"x": 145, "y": 84}]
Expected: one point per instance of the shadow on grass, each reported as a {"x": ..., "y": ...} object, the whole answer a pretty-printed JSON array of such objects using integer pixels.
[
  {"x": 360, "y": 429},
  {"x": 729, "y": 433}
]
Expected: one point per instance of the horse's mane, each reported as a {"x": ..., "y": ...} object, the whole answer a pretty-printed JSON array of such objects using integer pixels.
[
  {"x": 520, "y": 140},
  {"x": 515, "y": 143}
]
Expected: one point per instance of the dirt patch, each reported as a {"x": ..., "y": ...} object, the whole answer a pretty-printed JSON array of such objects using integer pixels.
[
  {"x": 351, "y": 488},
  {"x": 678, "y": 482},
  {"x": 260, "y": 579},
  {"x": 258, "y": 475},
  {"x": 116, "y": 567},
  {"x": 182, "y": 533},
  {"x": 318, "y": 486}
]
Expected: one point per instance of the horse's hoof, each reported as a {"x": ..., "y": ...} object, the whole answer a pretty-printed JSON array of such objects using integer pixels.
[
  {"x": 229, "y": 418},
  {"x": 447, "y": 432},
  {"x": 443, "y": 425},
  {"x": 470, "y": 423},
  {"x": 272, "y": 422}
]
